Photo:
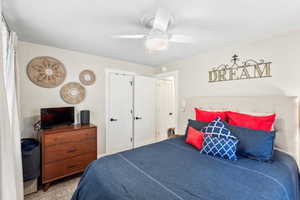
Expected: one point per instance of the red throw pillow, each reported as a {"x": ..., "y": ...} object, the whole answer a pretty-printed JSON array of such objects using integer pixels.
[
  {"x": 195, "y": 138},
  {"x": 250, "y": 121},
  {"x": 207, "y": 116}
]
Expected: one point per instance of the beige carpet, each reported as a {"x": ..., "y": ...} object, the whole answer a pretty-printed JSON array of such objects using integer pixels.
[{"x": 61, "y": 190}]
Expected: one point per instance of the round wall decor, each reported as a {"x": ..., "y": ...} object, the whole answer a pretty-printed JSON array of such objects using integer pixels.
[
  {"x": 72, "y": 93},
  {"x": 87, "y": 77},
  {"x": 47, "y": 72}
]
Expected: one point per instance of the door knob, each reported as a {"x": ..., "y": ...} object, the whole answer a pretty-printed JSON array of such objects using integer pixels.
[
  {"x": 137, "y": 118},
  {"x": 113, "y": 120}
]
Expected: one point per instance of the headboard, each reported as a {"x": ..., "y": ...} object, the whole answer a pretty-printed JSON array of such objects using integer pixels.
[{"x": 286, "y": 109}]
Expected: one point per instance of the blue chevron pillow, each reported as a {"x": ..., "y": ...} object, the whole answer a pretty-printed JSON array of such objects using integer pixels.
[{"x": 218, "y": 141}]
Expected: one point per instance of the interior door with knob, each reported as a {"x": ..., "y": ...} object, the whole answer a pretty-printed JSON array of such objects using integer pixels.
[
  {"x": 165, "y": 107},
  {"x": 144, "y": 110},
  {"x": 120, "y": 122}
]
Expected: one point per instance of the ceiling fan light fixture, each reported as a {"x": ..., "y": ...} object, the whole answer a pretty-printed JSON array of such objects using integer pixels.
[
  {"x": 156, "y": 44},
  {"x": 158, "y": 38},
  {"x": 157, "y": 41}
]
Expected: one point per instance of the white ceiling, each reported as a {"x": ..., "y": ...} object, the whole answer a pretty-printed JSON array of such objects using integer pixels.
[{"x": 87, "y": 25}]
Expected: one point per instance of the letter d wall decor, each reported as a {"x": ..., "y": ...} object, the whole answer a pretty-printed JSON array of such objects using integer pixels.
[{"x": 249, "y": 69}]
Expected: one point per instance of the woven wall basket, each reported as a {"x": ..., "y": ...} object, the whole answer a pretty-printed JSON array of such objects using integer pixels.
[
  {"x": 45, "y": 71},
  {"x": 87, "y": 77},
  {"x": 72, "y": 93}
]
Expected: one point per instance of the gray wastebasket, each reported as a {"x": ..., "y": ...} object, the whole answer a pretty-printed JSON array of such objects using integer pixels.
[{"x": 30, "y": 158}]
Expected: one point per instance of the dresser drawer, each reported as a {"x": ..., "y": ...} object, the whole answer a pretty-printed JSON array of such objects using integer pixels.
[
  {"x": 70, "y": 137},
  {"x": 69, "y": 150},
  {"x": 67, "y": 167}
]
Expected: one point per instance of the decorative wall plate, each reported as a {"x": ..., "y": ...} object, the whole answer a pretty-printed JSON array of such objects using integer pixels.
[
  {"x": 45, "y": 71},
  {"x": 87, "y": 77},
  {"x": 72, "y": 93}
]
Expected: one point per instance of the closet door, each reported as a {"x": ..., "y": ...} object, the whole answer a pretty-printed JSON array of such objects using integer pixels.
[
  {"x": 120, "y": 122},
  {"x": 144, "y": 110}
]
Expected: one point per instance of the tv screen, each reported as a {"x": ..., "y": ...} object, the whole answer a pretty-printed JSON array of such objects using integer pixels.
[{"x": 51, "y": 117}]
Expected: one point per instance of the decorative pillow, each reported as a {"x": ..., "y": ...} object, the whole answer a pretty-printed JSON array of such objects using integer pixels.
[
  {"x": 208, "y": 116},
  {"x": 195, "y": 138},
  {"x": 218, "y": 141},
  {"x": 250, "y": 121},
  {"x": 198, "y": 125},
  {"x": 254, "y": 144},
  {"x": 220, "y": 147},
  {"x": 216, "y": 127}
]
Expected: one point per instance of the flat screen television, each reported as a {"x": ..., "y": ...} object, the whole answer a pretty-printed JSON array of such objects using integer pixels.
[{"x": 51, "y": 117}]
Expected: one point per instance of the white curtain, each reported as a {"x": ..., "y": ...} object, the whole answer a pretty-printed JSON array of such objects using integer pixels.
[{"x": 11, "y": 177}]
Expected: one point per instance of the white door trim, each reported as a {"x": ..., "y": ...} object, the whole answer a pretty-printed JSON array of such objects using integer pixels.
[
  {"x": 107, "y": 94},
  {"x": 174, "y": 74}
]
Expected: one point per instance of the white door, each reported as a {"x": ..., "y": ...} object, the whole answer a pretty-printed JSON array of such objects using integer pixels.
[
  {"x": 165, "y": 107},
  {"x": 120, "y": 122},
  {"x": 144, "y": 109}
]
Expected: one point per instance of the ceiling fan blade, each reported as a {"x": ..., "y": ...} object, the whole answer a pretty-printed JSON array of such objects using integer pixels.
[
  {"x": 138, "y": 36},
  {"x": 181, "y": 39},
  {"x": 161, "y": 20}
]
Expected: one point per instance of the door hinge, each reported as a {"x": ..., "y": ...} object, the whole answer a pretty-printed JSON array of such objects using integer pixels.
[
  {"x": 131, "y": 83},
  {"x": 131, "y": 139}
]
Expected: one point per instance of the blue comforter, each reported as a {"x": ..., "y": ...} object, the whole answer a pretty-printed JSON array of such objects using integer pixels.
[{"x": 174, "y": 170}]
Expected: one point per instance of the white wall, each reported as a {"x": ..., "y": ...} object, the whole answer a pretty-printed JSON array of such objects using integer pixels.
[
  {"x": 34, "y": 97},
  {"x": 283, "y": 51}
]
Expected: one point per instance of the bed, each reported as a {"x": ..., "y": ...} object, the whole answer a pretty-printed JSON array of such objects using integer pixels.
[{"x": 172, "y": 169}]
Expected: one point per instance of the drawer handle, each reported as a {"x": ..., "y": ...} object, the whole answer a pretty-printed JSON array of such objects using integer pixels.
[
  {"x": 71, "y": 166},
  {"x": 72, "y": 150}
]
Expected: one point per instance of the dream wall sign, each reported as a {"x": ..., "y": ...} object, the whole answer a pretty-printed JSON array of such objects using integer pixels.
[{"x": 249, "y": 69}]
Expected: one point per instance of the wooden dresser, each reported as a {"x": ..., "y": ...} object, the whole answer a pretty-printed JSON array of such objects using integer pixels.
[{"x": 66, "y": 150}]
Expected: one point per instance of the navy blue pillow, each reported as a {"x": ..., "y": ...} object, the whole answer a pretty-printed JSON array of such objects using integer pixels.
[
  {"x": 220, "y": 146},
  {"x": 253, "y": 144},
  {"x": 198, "y": 125},
  {"x": 218, "y": 141}
]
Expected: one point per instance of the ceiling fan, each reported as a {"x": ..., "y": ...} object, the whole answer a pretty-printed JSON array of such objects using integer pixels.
[{"x": 158, "y": 37}]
